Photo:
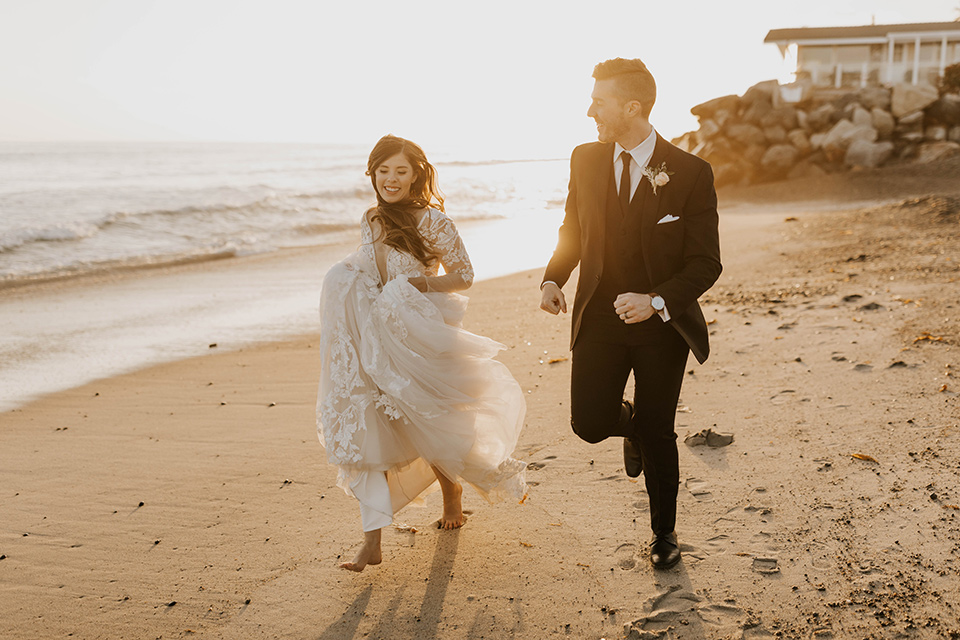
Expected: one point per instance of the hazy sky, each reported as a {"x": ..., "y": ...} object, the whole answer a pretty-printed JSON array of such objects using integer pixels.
[{"x": 503, "y": 74}]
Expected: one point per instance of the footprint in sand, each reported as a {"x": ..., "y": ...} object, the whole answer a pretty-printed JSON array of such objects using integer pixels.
[
  {"x": 699, "y": 488},
  {"x": 625, "y": 555},
  {"x": 766, "y": 565}
]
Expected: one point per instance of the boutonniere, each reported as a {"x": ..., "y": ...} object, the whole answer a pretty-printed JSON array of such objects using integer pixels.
[{"x": 658, "y": 176}]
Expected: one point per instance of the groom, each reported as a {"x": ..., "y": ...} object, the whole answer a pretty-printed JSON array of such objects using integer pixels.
[{"x": 641, "y": 221}]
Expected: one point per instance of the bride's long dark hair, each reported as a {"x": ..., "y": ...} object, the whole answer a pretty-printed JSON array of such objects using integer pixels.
[{"x": 399, "y": 221}]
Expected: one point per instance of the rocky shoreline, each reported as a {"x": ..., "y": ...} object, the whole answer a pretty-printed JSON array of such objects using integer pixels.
[{"x": 776, "y": 131}]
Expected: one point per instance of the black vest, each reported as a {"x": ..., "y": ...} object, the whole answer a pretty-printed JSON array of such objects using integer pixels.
[{"x": 624, "y": 270}]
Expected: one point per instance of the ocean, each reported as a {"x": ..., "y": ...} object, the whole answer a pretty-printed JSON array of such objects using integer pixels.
[
  {"x": 116, "y": 256},
  {"x": 74, "y": 208}
]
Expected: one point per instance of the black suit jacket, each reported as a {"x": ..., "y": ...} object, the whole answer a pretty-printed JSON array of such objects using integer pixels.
[{"x": 682, "y": 256}]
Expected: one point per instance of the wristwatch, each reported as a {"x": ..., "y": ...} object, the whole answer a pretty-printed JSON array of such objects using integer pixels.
[{"x": 657, "y": 302}]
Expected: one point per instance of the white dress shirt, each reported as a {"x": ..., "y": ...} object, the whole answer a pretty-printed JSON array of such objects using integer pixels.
[{"x": 640, "y": 155}]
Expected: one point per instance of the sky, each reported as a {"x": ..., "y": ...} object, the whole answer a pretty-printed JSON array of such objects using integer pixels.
[{"x": 492, "y": 74}]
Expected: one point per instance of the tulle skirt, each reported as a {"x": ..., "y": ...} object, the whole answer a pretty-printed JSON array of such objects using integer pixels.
[{"x": 403, "y": 388}]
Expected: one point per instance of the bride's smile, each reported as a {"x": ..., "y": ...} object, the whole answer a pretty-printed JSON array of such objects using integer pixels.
[{"x": 394, "y": 179}]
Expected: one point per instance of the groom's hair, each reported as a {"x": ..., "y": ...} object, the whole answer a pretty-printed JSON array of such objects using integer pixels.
[{"x": 633, "y": 81}]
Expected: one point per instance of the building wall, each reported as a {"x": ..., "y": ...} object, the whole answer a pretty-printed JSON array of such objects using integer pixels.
[{"x": 866, "y": 64}]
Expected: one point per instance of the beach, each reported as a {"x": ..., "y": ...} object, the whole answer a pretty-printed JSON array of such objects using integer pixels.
[{"x": 191, "y": 498}]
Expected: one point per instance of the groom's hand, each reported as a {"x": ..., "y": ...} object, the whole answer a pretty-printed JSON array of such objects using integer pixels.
[
  {"x": 552, "y": 300},
  {"x": 633, "y": 307}
]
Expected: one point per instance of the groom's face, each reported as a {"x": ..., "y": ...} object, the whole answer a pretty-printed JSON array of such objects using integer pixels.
[{"x": 608, "y": 111}]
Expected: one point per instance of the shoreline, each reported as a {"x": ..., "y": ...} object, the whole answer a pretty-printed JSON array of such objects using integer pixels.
[{"x": 66, "y": 332}]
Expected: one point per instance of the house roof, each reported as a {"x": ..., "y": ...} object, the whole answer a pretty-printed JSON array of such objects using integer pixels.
[{"x": 866, "y": 31}]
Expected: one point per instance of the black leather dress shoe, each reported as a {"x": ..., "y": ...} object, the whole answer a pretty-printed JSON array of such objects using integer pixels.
[
  {"x": 632, "y": 461},
  {"x": 664, "y": 551}
]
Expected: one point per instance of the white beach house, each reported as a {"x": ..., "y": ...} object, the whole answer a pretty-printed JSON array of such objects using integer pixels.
[{"x": 871, "y": 55}]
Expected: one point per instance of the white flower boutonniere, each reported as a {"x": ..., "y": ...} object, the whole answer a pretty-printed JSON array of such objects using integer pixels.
[{"x": 658, "y": 176}]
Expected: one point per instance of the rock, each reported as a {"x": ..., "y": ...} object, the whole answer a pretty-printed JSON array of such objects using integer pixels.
[
  {"x": 687, "y": 141},
  {"x": 779, "y": 159},
  {"x": 746, "y": 134},
  {"x": 785, "y": 117},
  {"x": 910, "y": 127},
  {"x": 936, "y": 133},
  {"x": 861, "y": 117},
  {"x": 775, "y": 134},
  {"x": 841, "y": 135},
  {"x": 823, "y": 117},
  {"x": 933, "y": 151},
  {"x": 731, "y": 173},
  {"x": 945, "y": 111},
  {"x": 755, "y": 112},
  {"x": 718, "y": 151},
  {"x": 907, "y": 98},
  {"x": 883, "y": 122},
  {"x": 803, "y": 120},
  {"x": 767, "y": 91},
  {"x": 862, "y": 153},
  {"x": 874, "y": 98},
  {"x": 723, "y": 116},
  {"x": 816, "y": 140},
  {"x": 953, "y": 135},
  {"x": 708, "y": 129},
  {"x": 731, "y": 104},
  {"x": 799, "y": 139},
  {"x": 754, "y": 153}
]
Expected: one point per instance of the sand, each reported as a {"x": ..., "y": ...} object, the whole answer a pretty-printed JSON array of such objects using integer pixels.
[{"x": 192, "y": 499}]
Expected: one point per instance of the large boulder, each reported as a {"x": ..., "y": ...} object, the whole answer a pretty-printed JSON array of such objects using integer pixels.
[
  {"x": 935, "y": 133},
  {"x": 707, "y": 109},
  {"x": 910, "y": 127},
  {"x": 708, "y": 129},
  {"x": 718, "y": 151},
  {"x": 907, "y": 98},
  {"x": 953, "y": 135},
  {"x": 883, "y": 121},
  {"x": 823, "y": 117},
  {"x": 875, "y": 98},
  {"x": 755, "y": 112},
  {"x": 861, "y": 117},
  {"x": 775, "y": 134},
  {"x": 779, "y": 159},
  {"x": 785, "y": 117},
  {"x": 865, "y": 154},
  {"x": 798, "y": 138},
  {"x": 932, "y": 151},
  {"x": 945, "y": 111},
  {"x": 767, "y": 91},
  {"x": 746, "y": 134},
  {"x": 837, "y": 140}
]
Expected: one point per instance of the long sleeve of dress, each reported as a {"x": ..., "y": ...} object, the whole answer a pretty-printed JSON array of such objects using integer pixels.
[{"x": 442, "y": 235}]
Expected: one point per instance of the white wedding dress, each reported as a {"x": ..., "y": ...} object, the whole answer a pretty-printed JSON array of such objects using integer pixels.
[{"x": 404, "y": 387}]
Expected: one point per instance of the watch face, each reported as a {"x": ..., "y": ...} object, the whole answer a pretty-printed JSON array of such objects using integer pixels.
[{"x": 657, "y": 303}]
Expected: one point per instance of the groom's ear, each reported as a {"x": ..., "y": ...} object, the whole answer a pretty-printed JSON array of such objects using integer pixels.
[{"x": 634, "y": 108}]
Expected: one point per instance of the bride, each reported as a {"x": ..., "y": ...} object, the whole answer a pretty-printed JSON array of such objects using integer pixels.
[{"x": 407, "y": 397}]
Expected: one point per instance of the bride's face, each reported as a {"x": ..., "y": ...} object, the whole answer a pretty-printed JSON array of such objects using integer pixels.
[{"x": 394, "y": 178}]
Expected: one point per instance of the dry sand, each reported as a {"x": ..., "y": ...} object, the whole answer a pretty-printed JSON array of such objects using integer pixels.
[{"x": 192, "y": 499}]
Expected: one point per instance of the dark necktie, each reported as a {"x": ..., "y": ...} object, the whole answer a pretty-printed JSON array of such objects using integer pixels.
[{"x": 625, "y": 182}]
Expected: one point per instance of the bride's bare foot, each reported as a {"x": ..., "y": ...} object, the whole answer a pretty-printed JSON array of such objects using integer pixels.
[
  {"x": 369, "y": 553},
  {"x": 452, "y": 517}
]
